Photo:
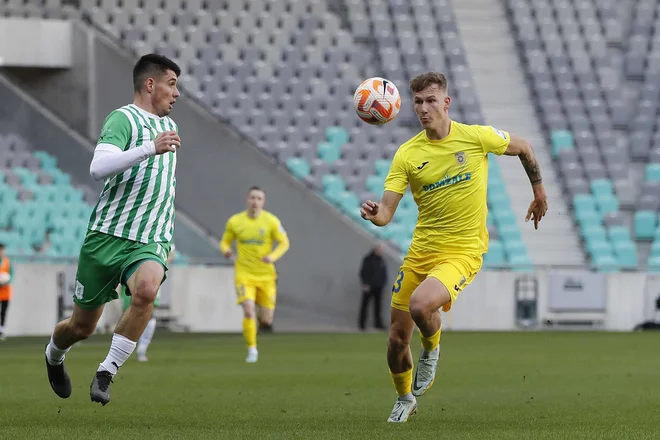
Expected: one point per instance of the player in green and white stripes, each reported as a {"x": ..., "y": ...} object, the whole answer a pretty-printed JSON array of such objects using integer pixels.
[{"x": 131, "y": 226}]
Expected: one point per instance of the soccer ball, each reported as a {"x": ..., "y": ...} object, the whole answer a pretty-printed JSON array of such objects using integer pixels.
[{"x": 377, "y": 101}]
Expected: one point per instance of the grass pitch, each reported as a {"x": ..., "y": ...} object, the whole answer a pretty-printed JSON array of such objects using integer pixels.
[{"x": 489, "y": 386}]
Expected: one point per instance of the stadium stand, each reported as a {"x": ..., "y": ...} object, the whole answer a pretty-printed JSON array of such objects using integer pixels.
[
  {"x": 564, "y": 48},
  {"x": 43, "y": 214},
  {"x": 237, "y": 55}
]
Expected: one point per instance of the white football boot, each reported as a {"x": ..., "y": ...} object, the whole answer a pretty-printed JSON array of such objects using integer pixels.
[
  {"x": 402, "y": 410},
  {"x": 253, "y": 356},
  {"x": 425, "y": 371}
]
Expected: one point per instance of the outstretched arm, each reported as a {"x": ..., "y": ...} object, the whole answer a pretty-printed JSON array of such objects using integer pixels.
[{"x": 523, "y": 149}]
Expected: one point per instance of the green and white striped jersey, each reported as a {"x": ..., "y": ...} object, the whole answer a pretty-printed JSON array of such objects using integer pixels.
[{"x": 137, "y": 204}]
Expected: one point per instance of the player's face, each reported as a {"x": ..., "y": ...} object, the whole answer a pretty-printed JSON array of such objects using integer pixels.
[
  {"x": 431, "y": 105},
  {"x": 164, "y": 93},
  {"x": 256, "y": 200}
]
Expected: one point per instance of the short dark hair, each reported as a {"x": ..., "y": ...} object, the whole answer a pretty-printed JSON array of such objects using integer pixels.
[
  {"x": 420, "y": 82},
  {"x": 2, "y": 245},
  {"x": 256, "y": 188},
  {"x": 152, "y": 64}
]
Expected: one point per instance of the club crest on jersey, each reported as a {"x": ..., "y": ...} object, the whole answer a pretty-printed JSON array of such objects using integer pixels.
[{"x": 460, "y": 157}]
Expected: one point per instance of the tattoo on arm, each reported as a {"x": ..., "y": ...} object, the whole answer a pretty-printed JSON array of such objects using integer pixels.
[{"x": 531, "y": 166}]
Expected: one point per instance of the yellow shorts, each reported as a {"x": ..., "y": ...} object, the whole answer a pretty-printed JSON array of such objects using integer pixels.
[
  {"x": 262, "y": 292},
  {"x": 454, "y": 271}
]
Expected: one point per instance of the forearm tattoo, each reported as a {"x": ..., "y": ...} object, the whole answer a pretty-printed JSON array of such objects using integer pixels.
[{"x": 531, "y": 166}]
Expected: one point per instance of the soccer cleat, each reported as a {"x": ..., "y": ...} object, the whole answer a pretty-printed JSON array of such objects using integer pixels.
[
  {"x": 99, "y": 390},
  {"x": 141, "y": 357},
  {"x": 59, "y": 379},
  {"x": 252, "y": 356},
  {"x": 425, "y": 372},
  {"x": 402, "y": 410},
  {"x": 2, "y": 337}
]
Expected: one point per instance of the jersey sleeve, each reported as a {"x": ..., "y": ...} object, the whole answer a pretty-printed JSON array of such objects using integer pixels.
[
  {"x": 397, "y": 178},
  {"x": 279, "y": 235},
  {"x": 117, "y": 130},
  {"x": 228, "y": 236},
  {"x": 493, "y": 140}
]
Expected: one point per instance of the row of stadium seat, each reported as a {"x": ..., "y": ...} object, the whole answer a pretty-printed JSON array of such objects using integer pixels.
[{"x": 43, "y": 216}]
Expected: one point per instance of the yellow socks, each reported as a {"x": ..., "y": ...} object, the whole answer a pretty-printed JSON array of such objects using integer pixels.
[
  {"x": 403, "y": 382},
  {"x": 250, "y": 332},
  {"x": 431, "y": 343}
]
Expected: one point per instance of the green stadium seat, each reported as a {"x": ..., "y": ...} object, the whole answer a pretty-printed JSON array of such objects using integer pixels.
[
  {"x": 599, "y": 247},
  {"x": 333, "y": 183},
  {"x": 593, "y": 231},
  {"x": 584, "y": 202},
  {"x": 375, "y": 184},
  {"x": 618, "y": 234},
  {"x": 382, "y": 167},
  {"x": 407, "y": 201},
  {"x": 509, "y": 232},
  {"x": 514, "y": 247},
  {"x": 337, "y": 135},
  {"x": 503, "y": 217},
  {"x": 655, "y": 248},
  {"x": 46, "y": 160},
  {"x": 654, "y": 264},
  {"x": 498, "y": 199},
  {"x": 521, "y": 263},
  {"x": 645, "y": 225},
  {"x": 298, "y": 167},
  {"x": 605, "y": 262},
  {"x": 394, "y": 231},
  {"x": 653, "y": 172},
  {"x": 328, "y": 152},
  {"x": 406, "y": 216},
  {"x": 602, "y": 186},
  {"x": 626, "y": 254},
  {"x": 404, "y": 244},
  {"x": 349, "y": 201},
  {"x": 588, "y": 218},
  {"x": 607, "y": 203},
  {"x": 561, "y": 140},
  {"x": 495, "y": 256}
]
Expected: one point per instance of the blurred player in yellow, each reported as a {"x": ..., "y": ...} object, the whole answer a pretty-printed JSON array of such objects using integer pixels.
[
  {"x": 254, "y": 231},
  {"x": 446, "y": 166}
]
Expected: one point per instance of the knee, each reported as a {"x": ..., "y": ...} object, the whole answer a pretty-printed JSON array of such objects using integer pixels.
[
  {"x": 421, "y": 309},
  {"x": 248, "y": 311},
  {"x": 82, "y": 330},
  {"x": 397, "y": 342},
  {"x": 145, "y": 293}
]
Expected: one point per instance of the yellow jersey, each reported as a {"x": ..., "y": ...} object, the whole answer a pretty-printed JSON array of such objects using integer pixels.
[
  {"x": 448, "y": 179},
  {"x": 254, "y": 240}
]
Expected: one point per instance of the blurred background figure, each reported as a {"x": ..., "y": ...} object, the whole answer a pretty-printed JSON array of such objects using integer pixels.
[
  {"x": 6, "y": 273},
  {"x": 373, "y": 275}
]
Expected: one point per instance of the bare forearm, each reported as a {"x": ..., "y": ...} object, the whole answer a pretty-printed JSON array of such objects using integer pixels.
[
  {"x": 531, "y": 166},
  {"x": 383, "y": 217}
]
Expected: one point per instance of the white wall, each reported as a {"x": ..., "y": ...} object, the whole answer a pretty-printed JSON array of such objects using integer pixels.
[{"x": 202, "y": 299}]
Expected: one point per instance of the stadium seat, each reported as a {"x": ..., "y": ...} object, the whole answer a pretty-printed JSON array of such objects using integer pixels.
[
  {"x": 521, "y": 262},
  {"x": 618, "y": 234},
  {"x": 495, "y": 256},
  {"x": 645, "y": 224},
  {"x": 653, "y": 172},
  {"x": 375, "y": 184},
  {"x": 328, "y": 152},
  {"x": 654, "y": 264},
  {"x": 561, "y": 140},
  {"x": 626, "y": 254},
  {"x": 333, "y": 183},
  {"x": 605, "y": 263},
  {"x": 601, "y": 187},
  {"x": 607, "y": 203},
  {"x": 298, "y": 167},
  {"x": 337, "y": 135},
  {"x": 382, "y": 167}
]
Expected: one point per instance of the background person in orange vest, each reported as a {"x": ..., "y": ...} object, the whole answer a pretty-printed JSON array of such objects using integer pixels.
[{"x": 6, "y": 274}]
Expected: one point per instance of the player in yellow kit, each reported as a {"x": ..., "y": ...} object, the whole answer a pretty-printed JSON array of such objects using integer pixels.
[
  {"x": 446, "y": 166},
  {"x": 254, "y": 231}
]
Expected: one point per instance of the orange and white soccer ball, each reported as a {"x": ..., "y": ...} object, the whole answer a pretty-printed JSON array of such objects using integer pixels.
[{"x": 377, "y": 101}]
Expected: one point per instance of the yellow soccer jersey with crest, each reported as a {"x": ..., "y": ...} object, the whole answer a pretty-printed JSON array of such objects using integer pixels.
[
  {"x": 254, "y": 240},
  {"x": 448, "y": 179}
]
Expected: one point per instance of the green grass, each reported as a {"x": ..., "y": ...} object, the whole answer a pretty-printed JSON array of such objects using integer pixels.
[{"x": 489, "y": 386}]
